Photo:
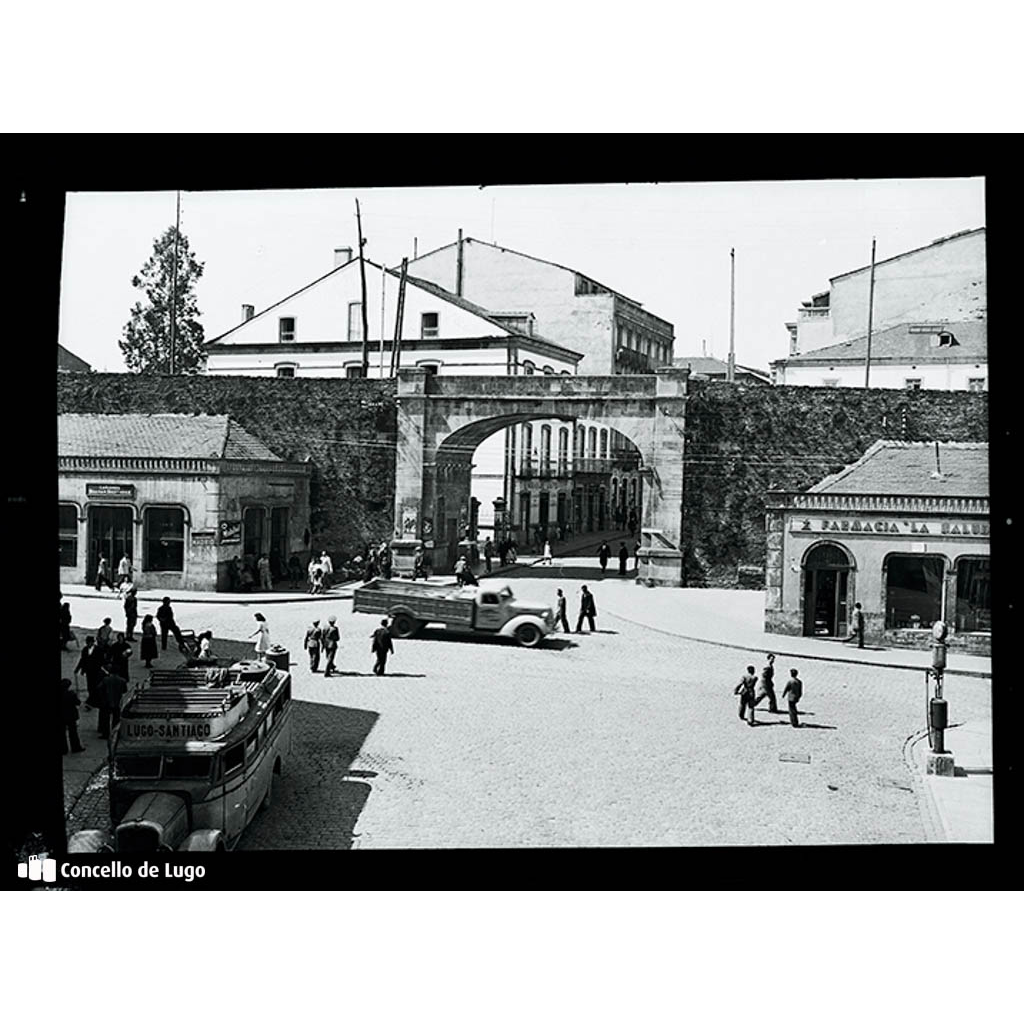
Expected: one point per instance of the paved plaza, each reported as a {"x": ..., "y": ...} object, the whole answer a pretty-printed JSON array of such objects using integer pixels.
[{"x": 626, "y": 737}]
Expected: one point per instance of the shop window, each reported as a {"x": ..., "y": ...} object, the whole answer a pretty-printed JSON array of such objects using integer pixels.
[
  {"x": 429, "y": 327},
  {"x": 913, "y": 591},
  {"x": 286, "y": 328},
  {"x": 973, "y": 596},
  {"x": 164, "y": 539},
  {"x": 285, "y": 370},
  {"x": 68, "y": 529},
  {"x": 354, "y": 370}
]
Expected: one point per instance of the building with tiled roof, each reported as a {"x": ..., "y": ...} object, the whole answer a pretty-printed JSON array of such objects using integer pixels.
[
  {"x": 945, "y": 356},
  {"x": 942, "y": 283},
  {"x": 718, "y": 369},
  {"x": 903, "y": 531},
  {"x": 181, "y": 495},
  {"x": 68, "y": 362}
]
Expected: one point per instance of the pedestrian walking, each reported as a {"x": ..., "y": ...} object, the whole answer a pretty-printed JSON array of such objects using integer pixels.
[
  {"x": 793, "y": 691},
  {"x": 111, "y": 689},
  {"x": 312, "y": 645},
  {"x": 331, "y": 639},
  {"x": 513, "y": 551},
  {"x": 546, "y": 557},
  {"x": 560, "y": 615},
  {"x": 766, "y": 688},
  {"x": 65, "y": 625},
  {"x": 262, "y": 635},
  {"x": 636, "y": 556},
  {"x": 488, "y": 554},
  {"x": 90, "y": 665},
  {"x": 165, "y": 616},
  {"x": 328, "y": 569},
  {"x": 745, "y": 689},
  {"x": 856, "y": 626},
  {"x": 588, "y": 610},
  {"x": 69, "y": 703},
  {"x": 623, "y": 558},
  {"x": 105, "y": 635},
  {"x": 603, "y": 554},
  {"x": 263, "y": 567},
  {"x": 460, "y": 570},
  {"x": 124, "y": 570},
  {"x": 381, "y": 646},
  {"x": 131, "y": 612},
  {"x": 103, "y": 574},
  {"x": 147, "y": 648}
]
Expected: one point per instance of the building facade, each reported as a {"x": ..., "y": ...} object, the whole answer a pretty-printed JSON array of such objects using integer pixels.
[
  {"x": 947, "y": 356},
  {"x": 904, "y": 531},
  {"x": 180, "y": 495},
  {"x": 943, "y": 281}
]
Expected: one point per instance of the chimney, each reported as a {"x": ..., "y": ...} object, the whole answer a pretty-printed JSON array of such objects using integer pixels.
[
  {"x": 342, "y": 256},
  {"x": 247, "y": 311}
]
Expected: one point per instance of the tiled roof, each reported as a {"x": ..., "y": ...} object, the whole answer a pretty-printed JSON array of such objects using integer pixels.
[
  {"x": 909, "y": 468},
  {"x": 901, "y": 342},
  {"x": 67, "y": 360},
  {"x": 163, "y": 435},
  {"x": 715, "y": 367}
]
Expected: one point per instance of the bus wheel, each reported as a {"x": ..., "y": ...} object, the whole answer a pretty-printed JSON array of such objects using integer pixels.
[
  {"x": 528, "y": 635},
  {"x": 268, "y": 797},
  {"x": 403, "y": 626}
]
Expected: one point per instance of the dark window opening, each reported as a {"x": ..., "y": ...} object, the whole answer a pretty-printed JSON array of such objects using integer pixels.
[
  {"x": 913, "y": 590},
  {"x": 68, "y": 530},
  {"x": 973, "y": 596},
  {"x": 252, "y": 533},
  {"x": 286, "y": 371},
  {"x": 286, "y": 328},
  {"x": 139, "y": 767},
  {"x": 429, "y": 325},
  {"x": 233, "y": 759},
  {"x": 164, "y": 541},
  {"x": 186, "y": 767}
]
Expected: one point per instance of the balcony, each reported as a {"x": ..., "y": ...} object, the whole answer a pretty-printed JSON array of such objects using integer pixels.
[{"x": 815, "y": 313}]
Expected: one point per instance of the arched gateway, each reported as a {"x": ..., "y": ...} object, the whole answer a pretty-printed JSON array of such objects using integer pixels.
[{"x": 441, "y": 420}]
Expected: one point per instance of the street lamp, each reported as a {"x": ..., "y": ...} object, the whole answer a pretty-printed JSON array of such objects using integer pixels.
[{"x": 940, "y": 760}]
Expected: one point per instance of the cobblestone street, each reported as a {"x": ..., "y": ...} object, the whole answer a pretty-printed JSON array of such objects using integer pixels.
[{"x": 629, "y": 737}]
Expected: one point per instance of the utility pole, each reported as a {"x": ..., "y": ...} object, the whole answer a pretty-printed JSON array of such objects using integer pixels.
[
  {"x": 396, "y": 349},
  {"x": 362, "y": 281},
  {"x": 871, "y": 310},
  {"x": 730, "y": 374},
  {"x": 458, "y": 267},
  {"x": 383, "y": 282},
  {"x": 174, "y": 278}
]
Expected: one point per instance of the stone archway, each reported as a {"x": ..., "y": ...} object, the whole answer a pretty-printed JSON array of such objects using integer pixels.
[{"x": 442, "y": 420}]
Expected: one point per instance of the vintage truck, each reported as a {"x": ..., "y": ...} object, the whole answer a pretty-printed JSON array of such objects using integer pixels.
[{"x": 482, "y": 609}]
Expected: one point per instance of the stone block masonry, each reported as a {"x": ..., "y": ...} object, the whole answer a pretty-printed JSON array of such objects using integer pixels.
[
  {"x": 344, "y": 427},
  {"x": 742, "y": 442}
]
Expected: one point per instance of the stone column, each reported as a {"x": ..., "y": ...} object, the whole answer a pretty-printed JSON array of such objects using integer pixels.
[
  {"x": 661, "y": 559},
  {"x": 409, "y": 455}
]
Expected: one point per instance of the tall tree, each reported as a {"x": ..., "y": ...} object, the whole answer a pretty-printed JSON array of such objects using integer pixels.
[{"x": 146, "y": 341}]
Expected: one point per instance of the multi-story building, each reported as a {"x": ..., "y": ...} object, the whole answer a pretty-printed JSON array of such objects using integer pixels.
[
  {"x": 943, "y": 281},
  {"x": 615, "y": 334}
]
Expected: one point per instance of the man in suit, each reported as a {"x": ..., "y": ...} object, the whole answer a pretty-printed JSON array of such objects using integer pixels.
[
  {"x": 793, "y": 692},
  {"x": 587, "y": 610},
  {"x": 312, "y": 645},
  {"x": 381, "y": 647},
  {"x": 767, "y": 687},
  {"x": 745, "y": 690},
  {"x": 856, "y": 626},
  {"x": 560, "y": 616},
  {"x": 331, "y": 638},
  {"x": 111, "y": 689}
]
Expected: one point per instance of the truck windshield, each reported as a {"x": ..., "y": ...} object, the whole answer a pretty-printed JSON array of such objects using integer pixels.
[{"x": 187, "y": 767}]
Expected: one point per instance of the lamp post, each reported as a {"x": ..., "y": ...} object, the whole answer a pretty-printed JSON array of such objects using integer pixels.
[{"x": 940, "y": 760}]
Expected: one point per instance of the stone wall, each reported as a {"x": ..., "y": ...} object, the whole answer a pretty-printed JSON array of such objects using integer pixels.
[
  {"x": 742, "y": 441},
  {"x": 344, "y": 427}
]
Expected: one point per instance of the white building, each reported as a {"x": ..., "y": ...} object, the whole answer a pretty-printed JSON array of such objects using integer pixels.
[{"x": 937, "y": 356}]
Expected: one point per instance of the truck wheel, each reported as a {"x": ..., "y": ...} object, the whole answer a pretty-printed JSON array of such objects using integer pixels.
[
  {"x": 528, "y": 635},
  {"x": 404, "y": 626}
]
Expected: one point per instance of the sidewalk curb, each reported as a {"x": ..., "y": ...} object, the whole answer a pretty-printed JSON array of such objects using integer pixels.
[
  {"x": 217, "y": 597},
  {"x": 936, "y": 827},
  {"x": 768, "y": 648}
]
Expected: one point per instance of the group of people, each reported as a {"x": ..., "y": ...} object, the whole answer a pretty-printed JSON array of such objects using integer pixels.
[
  {"x": 105, "y": 579},
  {"x": 103, "y": 662},
  {"x": 604, "y": 554},
  {"x": 588, "y": 611},
  {"x": 751, "y": 691},
  {"x": 326, "y": 639}
]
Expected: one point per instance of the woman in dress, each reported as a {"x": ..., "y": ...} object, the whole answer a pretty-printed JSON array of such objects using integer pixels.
[{"x": 262, "y": 635}]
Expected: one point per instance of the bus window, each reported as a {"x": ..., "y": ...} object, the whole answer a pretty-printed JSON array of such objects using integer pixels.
[
  {"x": 233, "y": 759},
  {"x": 185, "y": 767},
  {"x": 263, "y": 730},
  {"x": 250, "y": 747}
]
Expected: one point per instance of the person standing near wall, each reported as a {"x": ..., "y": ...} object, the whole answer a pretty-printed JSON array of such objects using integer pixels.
[
  {"x": 263, "y": 565},
  {"x": 65, "y": 625},
  {"x": 856, "y": 626}
]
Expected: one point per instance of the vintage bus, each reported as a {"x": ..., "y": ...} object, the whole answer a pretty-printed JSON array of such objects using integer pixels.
[{"x": 194, "y": 758}]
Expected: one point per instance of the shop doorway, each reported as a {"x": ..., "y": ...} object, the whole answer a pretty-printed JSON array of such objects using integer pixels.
[
  {"x": 826, "y": 580},
  {"x": 111, "y": 528}
]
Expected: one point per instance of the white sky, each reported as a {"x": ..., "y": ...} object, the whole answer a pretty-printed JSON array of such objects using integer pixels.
[{"x": 666, "y": 246}]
